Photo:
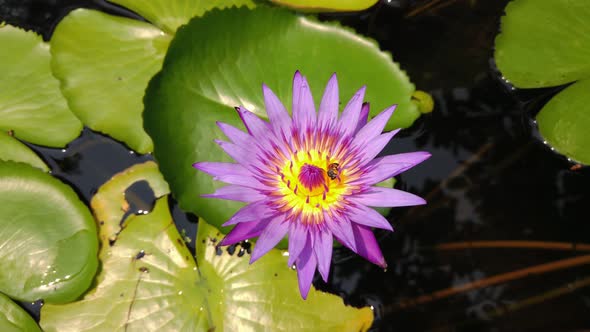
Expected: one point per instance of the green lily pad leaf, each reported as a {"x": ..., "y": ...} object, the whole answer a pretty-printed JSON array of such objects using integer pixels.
[
  {"x": 220, "y": 61},
  {"x": 148, "y": 282},
  {"x": 104, "y": 63},
  {"x": 327, "y": 5},
  {"x": 31, "y": 104},
  {"x": 168, "y": 15},
  {"x": 110, "y": 204},
  {"x": 14, "y": 319},
  {"x": 44, "y": 221},
  {"x": 265, "y": 296},
  {"x": 12, "y": 149},
  {"x": 544, "y": 42},
  {"x": 564, "y": 122}
]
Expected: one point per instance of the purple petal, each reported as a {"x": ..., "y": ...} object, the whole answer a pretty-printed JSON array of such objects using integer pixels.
[
  {"x": 370, "y": 151},
  {"x": 231, "y": 173},
  {"x": 236, "y": 193},
  {"x": 272, "y": 234},
  {"x": 255, "y": 125},
  {"x": 216, "y": 169},
  {"x": 369, "y": 217},
  {"x": 306, "y": 264},
  {"x": 341, "y": 229},
  {"x": 363, "y": 117},
  {"x": 323, "y": 251},
  {"x": 277, "y": 114},
  {"x": 303, "y": 107},
  {"x": 381, "y": 169},
  {"x": 351, "y": 113},
  {"x": 373, "y": 129},
  {"x": 387, "y": 197},
  {"x": 328, "y": 114},
  {"x": 243, "y": 232},
  {"x": 367, "y": 245},
  {"x": 251, "y": 212},
  {"x": 298, "y": 238},
  {"x": 244, "y": 157},
  {"x": 237, "y": 136}
]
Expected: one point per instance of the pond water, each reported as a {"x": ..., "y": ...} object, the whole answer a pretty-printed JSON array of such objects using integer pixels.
[{"x": 490, "y": 178}]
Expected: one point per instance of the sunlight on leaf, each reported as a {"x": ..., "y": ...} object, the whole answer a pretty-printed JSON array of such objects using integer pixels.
[
  {"x": 31, "y": 104},
  {"x": 43, "y": 220},
  {"x": 14, "y": 319}
]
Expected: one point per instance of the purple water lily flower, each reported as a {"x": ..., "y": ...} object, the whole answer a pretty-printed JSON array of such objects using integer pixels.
[{"x": 311, "y": 177}]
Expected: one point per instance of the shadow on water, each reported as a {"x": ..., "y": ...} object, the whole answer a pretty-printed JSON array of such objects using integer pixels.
[{"x": 490, "y": 179}]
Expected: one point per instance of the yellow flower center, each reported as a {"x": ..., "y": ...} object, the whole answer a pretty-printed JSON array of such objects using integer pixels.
[{"x": 310, "y": 183}]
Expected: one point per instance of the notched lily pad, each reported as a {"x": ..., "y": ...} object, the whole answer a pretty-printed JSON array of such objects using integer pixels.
[
  {"x": 12, "y": 149},
  {"x": 110, "y": 205},
  {"x": 31, "y": 104},
  {"x": 544, "y": 42},
  {"x": 44, "y": 221},
  {"x": 265, "y": 295},
  {"x": 14, "y": 319},
  {"x": 221, "y": 60}
]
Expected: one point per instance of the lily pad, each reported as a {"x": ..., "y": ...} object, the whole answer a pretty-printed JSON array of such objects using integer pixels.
[
  {"x": 31, "y": 104},
  {"x": 220, "y": 61},
  {"x": 265, "y": 296},
  {"x": 544, "y": 42},
  {"x": 14, "y": 319},
  {"x": 44, "y": 221},
  {"x": 547, "y": 43},
  {"x": 150, "y": 282},
  {"x": 105, "y": 62},
  {"x": 12, "y": 149},
  {"x": 327, "y": 5},
  {"x": 565, "y": 121}
]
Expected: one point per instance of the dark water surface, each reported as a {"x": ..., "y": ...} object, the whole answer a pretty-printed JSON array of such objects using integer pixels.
[{"x": 490, "y": 178}]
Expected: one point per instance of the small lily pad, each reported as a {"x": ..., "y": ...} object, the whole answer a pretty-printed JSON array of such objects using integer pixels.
[
  {"x": 327, "y": 5},
  {"x": 14, "y": 319},
  {"x": 44, "y": 221},
  {"x": 221, "y": 60},
  {"x": 565, "y": 121},
  {"x": 12, "y": 149},
  {"x": 265, "y": 295},
  {"x": 31, "y": 104},
  {"x": 544, "y": 42}
]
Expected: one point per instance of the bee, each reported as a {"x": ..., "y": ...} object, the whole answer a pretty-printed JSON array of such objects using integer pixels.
[{"x": 333, "y": 170}]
